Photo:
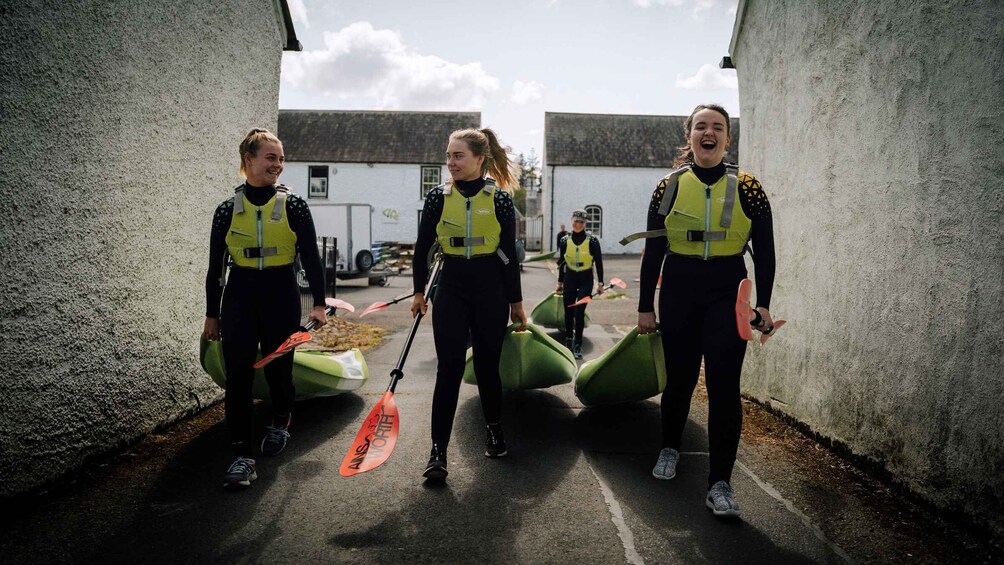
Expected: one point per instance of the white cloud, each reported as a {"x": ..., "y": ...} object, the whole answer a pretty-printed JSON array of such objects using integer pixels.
[
  {"x": 733, "y": 7},
  {"x": 359, "y": 61},
  {"x": 698, "y": 6},
  {"x": 298, "y": 12},
  {"x": 523, "y": 92},
  {"x": 709, "y": 77}
]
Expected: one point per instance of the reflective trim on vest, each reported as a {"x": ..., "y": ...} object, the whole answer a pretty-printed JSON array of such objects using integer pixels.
[
  {"x": 257, "y": 241},
  {"x": 577, "y": 257},
  {"x": 468, "y": 227},
  {"x": 704, "y": 220}
]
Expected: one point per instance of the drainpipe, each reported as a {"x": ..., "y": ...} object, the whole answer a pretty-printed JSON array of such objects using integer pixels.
[{"x": 550, "y": 238}]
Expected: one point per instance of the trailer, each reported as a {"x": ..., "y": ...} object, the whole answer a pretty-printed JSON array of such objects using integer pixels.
[{"x": 351, "y": 228}]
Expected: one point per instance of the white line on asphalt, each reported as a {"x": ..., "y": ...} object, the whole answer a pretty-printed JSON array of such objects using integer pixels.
[
  {"x": 774, "y": 493},
  {"x": 623, "y": 531}
]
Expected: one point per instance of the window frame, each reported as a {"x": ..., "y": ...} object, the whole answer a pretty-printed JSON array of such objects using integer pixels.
[
  {"x": 326, "y": 177},
  {"x": 423, "y": 186},
  {"x": 594, "y": 219}
]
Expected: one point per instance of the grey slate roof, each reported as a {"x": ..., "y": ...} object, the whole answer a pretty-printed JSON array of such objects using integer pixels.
[
  {"x": 618, "y": 140},
  {"x": 339, "y": 136}
]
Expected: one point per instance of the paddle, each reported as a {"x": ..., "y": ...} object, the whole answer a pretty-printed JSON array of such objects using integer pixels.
[
  {"x": 381, "y": 305},
  {"x": 377, "y": 437},
  {"x": 303, "y": 334},
  {"x": 613, "y": 282},
  {"x": 747, "y": 317}
]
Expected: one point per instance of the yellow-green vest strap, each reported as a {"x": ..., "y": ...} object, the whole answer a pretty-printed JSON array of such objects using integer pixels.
[
  {"x": 281, "y": 192},
  {"x": 672, "y": 183},
  {"x": 239, "y": 200},
  {"x": 641, "y": 234},
  {"x": 731, "y": 189}
]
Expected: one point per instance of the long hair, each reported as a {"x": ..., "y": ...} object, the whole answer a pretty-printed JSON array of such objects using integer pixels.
[
  {"x": 497, "y": 164},
  {"x": 685, "y": 153},
  {"x": 252, "y": 141}
]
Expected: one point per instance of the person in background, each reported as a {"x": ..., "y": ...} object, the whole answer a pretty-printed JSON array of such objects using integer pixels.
[{"x": 578, "y": 253}]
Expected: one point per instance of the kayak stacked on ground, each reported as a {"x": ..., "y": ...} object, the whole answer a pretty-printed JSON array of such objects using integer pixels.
[
  {"x": 315, "y": 373},
  {"x": 530, "y": 359},
  {"x": 540, "y": 257},
  {"x": 550, "y": 313},
  {"x": 633, "y": 369}
]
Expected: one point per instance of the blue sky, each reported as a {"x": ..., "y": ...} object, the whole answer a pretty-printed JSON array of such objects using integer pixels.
[{"x": 511, "y": 60}]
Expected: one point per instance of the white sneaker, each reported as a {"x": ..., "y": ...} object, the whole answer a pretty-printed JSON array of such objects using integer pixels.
[{"x": 665, "y": 467}]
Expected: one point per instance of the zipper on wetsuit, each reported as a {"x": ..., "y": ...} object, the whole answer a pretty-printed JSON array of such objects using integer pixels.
[
  {"x": 261, "y": 242},
  {"x": 707, "y": 220},
  {"x": 467, "y": 248}
]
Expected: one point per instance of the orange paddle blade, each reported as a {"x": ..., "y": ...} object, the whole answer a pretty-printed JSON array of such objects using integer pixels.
[
  {"x": 743, "y": 311},
  {"x": 764, "y": 337},
  {"x": 618, "y": 283},
  {"x": 585, "y": 300},
  {"x": 299, "y": 338},
  {"x": 373, "y": 308},
  {"x": 375, "y": 440},
  {"x": 339, "y": 304}
]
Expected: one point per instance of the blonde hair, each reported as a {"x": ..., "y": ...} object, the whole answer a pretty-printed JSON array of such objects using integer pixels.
[
  {"x": 252, "y": 141},
  {"x": 685, "y": 153},
  {"x": 497, "y": 165}
]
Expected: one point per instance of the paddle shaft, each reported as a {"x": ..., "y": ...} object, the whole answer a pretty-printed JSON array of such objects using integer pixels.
[{"x": 397, "y": 373}]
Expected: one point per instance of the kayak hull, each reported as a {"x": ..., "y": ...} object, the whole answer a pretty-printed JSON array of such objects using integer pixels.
[
  {"x": 530, "y": 359},
  {"x": 633, "y": 369},
  {"x": 550, "y": 313},
  {"x": 315, "y": 373}
]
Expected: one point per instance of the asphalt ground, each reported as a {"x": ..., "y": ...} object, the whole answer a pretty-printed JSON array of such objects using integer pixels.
[{"x": 575, "y": 488}]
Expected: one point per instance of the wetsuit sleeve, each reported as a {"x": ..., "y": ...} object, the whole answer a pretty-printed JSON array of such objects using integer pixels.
[
  {"x": 431, "y": 213},
  {"x": 217, "y": 251},
  {"x": 505, "y": 212},
  {"x": 302, "y": 224},
  {"x": 597, "y": 253},
  {"x": 757, "y": 209},
  {"x": 562, "y": 246},
  {"x": 655, "y": 252}
]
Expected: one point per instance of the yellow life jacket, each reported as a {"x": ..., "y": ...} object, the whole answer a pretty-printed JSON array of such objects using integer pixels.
[
  {"x": 468, "y": 227},
  {"x": 706, "y": 221},
  {"x": 259, "y": 236},
  {"x": 577, "y": 257}
]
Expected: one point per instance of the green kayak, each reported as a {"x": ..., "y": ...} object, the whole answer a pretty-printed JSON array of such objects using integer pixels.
[
  {"x": 633, "y": 369},
  {"x": 550, "y": 313},
  {"x": 315, "y": 373},
  {"x": 530, "y": 359},
  {"x": 540, "y": 257}
]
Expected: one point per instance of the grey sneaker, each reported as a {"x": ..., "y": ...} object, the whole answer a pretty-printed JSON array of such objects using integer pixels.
[
  {"x": 577, "y": 350},
  {"x": 665, "y": 467},
  {"x": 240, "y": 474},
  {"x": 274, "y": 441},
  {"x": 721, "y": 501}
]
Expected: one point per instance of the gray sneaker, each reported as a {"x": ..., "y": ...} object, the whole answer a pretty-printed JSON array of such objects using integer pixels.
[
  {"x": 665, "y": 467},
  {"x": 240, "y": 474},
  {"x": 274, "y": 441},
  {"x": 721, "y": 501}
]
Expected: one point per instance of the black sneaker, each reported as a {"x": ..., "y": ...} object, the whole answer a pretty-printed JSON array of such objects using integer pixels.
[
  {"x": 274, "y": 441},
  {"x": 435, "y": 469},
  {"x": 240, "y": 474},
  {"x": 495, "y": 444},
  {"x": 569, "y": 344},
  {"x": 577, "y": 351}
]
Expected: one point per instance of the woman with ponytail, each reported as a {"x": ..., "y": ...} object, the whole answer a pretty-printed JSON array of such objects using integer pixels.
[
  {"x": 263, "y": 227},
  {"x": 701, "y": 269},
  {"x": 473, "y": 219}
]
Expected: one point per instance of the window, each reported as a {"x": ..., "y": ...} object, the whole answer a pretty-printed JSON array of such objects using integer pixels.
[
  {"x": 594, "y": 220},
  {"x": 431, "y": 175},
  {"x": 318, "y": 182}
]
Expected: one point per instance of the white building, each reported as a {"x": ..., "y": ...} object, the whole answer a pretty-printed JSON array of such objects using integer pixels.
[
  {"x": 608, "y": 164},
  {"x": 389, "y": 160}
]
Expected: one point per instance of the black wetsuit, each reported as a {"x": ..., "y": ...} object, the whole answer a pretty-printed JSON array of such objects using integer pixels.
[
  {"x": 697, "y": 318},
  {"x": 576, "y": 285},
  {"x": 472, "y": 298},
  {"x": 259, "y": 306}
]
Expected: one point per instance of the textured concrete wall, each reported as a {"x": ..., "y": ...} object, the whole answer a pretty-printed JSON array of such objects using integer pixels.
[
  {"x": 876, "y": 129},
  {"x": 121, "y": 122},
  {"x": 623, "y": 194}
]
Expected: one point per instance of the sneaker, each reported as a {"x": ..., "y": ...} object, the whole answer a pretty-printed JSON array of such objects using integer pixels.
[
  {"x": 577, "y": 351},
  {"x": 721, "y": 502},
  {"x": 665, "y": 467},
  {"x": 435, "y": 469},
  {"x": 495, "y": 444},
  {"x": 240, "y": 474},
  {"x": 275, "y": 440},
  {"x": 569, "y": 344}
]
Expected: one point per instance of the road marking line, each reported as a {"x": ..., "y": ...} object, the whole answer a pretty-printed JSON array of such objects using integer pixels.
[
  {"x": 617, "y": 517},
  {"x": 775, "y": 494}
]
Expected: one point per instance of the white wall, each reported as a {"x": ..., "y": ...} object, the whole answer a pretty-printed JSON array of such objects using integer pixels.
[
  {"x": 393, "y": 190},
  {"x": 622, "y": 193}
]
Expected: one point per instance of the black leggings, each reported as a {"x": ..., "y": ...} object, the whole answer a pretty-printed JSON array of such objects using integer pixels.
[
  {"x": 698, "y": 320},
  {"x": 458, "y": 312},
  {"x": 575, "y": 287},
  {"x": 258, "y": 307}
]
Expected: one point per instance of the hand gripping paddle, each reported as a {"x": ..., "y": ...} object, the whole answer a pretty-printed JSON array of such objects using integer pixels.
[
  {"x": 747, "y": 317},
  {"x": 377, "y": 437},
  {"x": 381, "y": 305},
  {"x": 303, "y": 334},
  {"x": 613, "y": 282}
]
